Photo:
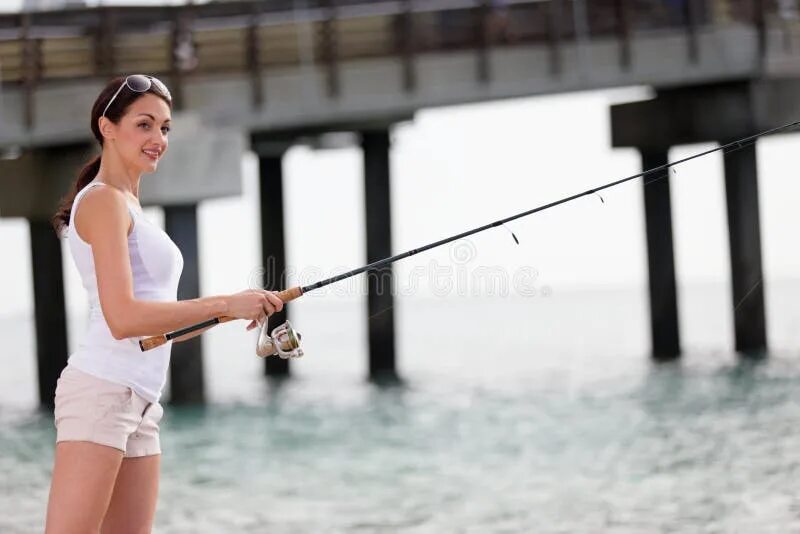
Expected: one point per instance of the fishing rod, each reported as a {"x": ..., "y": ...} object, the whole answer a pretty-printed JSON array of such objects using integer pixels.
[{"x": 285, "y": 341}]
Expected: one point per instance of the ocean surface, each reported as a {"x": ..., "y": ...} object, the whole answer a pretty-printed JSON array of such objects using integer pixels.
[{"x": 520, "y": 414}]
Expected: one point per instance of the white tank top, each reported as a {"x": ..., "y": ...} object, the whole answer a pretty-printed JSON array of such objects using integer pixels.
[{"x": 156, "y": 264}]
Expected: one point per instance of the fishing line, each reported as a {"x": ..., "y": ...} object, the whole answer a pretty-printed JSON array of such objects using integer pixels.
[
  {"x": 741, "y": 301},
  {"x": 656, "y": 179},
  {"x": 739, "y": 146},
  {"x": 380, "y": 312},
  {"x": 287, "y": 337}
]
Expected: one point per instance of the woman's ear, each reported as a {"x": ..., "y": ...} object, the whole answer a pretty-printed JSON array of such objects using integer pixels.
[{"x": 106, "y": 127}]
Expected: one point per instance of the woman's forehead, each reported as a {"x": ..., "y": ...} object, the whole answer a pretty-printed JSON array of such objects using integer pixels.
[{"x": 151, "y": 105}]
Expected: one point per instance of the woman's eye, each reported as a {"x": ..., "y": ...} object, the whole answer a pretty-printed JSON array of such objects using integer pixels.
[{"x": 164, "y": 129}]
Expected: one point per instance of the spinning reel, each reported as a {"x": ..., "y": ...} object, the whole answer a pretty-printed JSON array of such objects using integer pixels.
[{"x": 283, "y": 341}]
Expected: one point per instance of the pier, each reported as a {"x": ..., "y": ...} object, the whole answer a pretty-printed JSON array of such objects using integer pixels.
[{"x": 264, "y": 76}]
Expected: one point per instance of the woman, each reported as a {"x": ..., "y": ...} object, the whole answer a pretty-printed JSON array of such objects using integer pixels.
[{"x": 107, "y": 458}]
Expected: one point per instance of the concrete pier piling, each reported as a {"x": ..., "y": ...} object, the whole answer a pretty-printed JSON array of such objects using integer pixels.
[
  {"x": 660, "y": 258},
  {"x": 30, "y": 187},
  {"x": 273, "y": 247},
  {"x": 720, "y": 113},
  {"x": 744, "y": 237},
  {"x": 380, "y": 322},
  {"x": 49, "y": 308},
  {"x": 187, "y": 385}
]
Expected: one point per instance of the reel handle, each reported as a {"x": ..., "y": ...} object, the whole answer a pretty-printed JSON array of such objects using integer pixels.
[{"x": 152, "y": 342}]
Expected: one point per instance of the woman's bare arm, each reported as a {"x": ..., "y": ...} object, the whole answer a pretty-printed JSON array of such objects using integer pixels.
[{"x": 103, "y": 221}]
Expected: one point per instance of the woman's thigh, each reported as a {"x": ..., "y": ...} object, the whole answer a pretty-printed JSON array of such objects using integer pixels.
[
  {"x": 82, "y": 485},
  {"x": 133, "y": 503}
]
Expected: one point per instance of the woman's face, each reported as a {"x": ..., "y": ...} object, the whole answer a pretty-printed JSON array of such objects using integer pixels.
[{"x": 140, "y": 138}]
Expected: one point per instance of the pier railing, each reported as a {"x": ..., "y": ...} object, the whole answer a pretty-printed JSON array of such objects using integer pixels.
[{"x": 215, "y": 39}]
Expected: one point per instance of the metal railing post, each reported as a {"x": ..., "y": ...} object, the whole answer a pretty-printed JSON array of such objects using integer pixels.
[
  {"x": 623, "y": 32},
  {"x": 253, "y": 60},
  {"x": 554, "y": 35}
]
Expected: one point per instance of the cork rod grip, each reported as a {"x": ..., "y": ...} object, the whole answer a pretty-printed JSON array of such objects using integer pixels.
[
  {"x": 288, "y": 295},
  {"x": 152, "y": 342}
]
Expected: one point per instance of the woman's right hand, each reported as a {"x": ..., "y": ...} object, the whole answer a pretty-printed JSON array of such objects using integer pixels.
[{"x": 253, "y": 304}]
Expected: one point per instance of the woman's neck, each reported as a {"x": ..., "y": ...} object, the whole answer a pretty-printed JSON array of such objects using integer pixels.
[{"x": 113, "y": 173}]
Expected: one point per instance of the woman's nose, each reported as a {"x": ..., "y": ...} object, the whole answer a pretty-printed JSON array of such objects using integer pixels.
[{"x": 161, "y": 140}]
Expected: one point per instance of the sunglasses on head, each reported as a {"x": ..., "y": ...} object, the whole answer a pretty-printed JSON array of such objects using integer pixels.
[{"x": 140, "y": 83}]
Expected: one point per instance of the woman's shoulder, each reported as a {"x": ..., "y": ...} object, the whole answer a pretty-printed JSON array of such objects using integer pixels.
[
  {"x": 102, "y": 208},
  {"x": 103, "y": 199}
]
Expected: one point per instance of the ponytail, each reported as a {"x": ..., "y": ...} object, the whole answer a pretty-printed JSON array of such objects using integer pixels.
[{"x": 61, "y": 218}]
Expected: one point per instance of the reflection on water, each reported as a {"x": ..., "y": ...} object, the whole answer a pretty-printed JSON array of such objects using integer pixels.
[{"x": 527, "y": 439}]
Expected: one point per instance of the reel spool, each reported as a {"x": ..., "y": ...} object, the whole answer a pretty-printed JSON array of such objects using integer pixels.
[{"x": 283, "y": 341}]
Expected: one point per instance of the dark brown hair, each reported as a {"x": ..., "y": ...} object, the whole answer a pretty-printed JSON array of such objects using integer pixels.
[{"x": 115, "y": 112}]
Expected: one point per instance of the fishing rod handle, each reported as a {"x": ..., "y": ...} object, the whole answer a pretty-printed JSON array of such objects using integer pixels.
[{"x": 152, "y": 342}]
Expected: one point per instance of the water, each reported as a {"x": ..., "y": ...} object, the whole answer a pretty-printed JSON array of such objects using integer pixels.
[{"x": 517, "y": 415}]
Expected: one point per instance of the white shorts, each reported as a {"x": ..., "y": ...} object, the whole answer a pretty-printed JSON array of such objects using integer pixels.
[{"x": 89, "y": 408}]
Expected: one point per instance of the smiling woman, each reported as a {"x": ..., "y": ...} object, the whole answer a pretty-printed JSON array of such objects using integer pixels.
[
  {"x": 107, "y": 409},
  {"x": 147, "y": 100}
]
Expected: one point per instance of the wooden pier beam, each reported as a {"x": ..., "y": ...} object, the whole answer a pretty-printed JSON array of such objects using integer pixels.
[
  {"x": 187, "y": 384},
  {"x": 380, "y": 322}
]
